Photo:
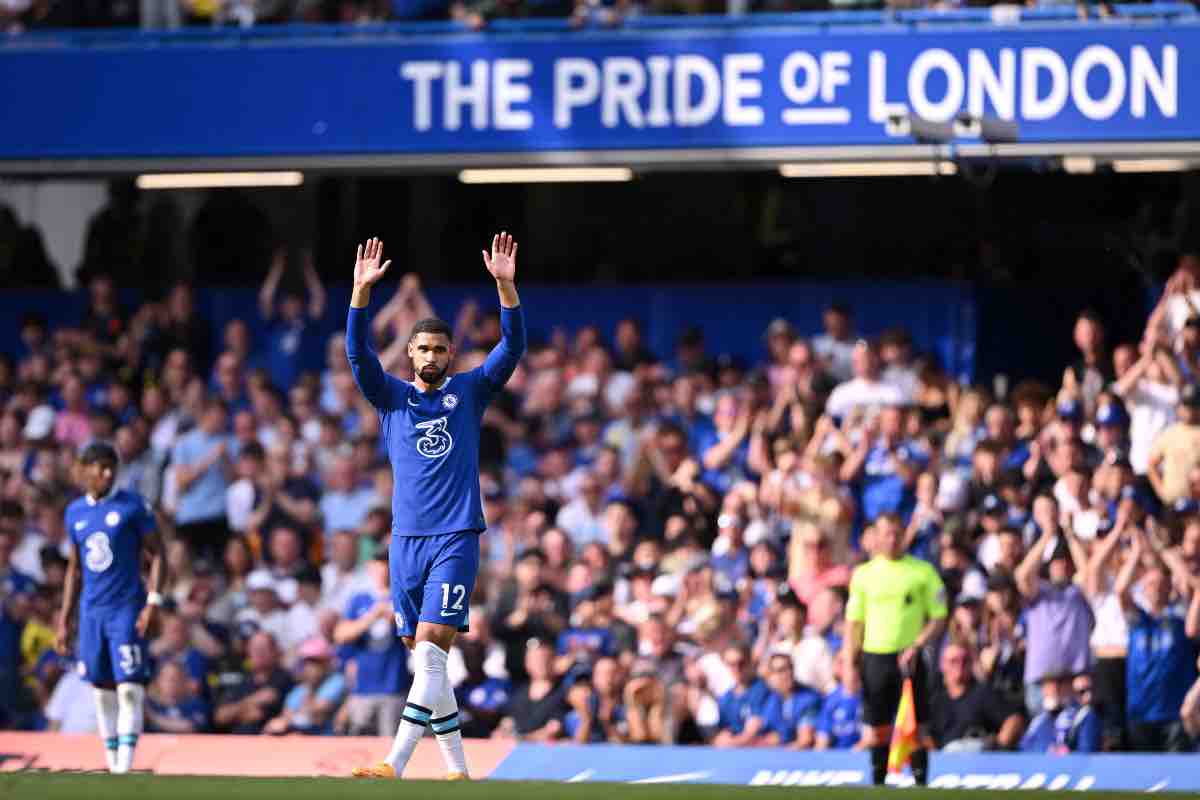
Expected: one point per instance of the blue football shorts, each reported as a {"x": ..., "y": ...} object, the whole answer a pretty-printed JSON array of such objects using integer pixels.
[
  {"x": 110, "y": 650},
  {"x": 432, "y": 579}
]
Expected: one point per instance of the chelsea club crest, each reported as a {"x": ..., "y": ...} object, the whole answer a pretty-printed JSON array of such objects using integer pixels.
[{"x": 449, "y": 402}]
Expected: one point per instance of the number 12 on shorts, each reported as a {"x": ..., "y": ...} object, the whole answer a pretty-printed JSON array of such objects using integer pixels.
[{"x": 460, "y": 594}]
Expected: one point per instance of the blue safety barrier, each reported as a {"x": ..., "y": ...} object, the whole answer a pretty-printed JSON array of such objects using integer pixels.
[{"x": 778, "y": 767}]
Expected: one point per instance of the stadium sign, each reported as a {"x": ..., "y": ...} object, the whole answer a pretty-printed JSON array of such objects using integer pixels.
[{"x": 634, "y": 96}]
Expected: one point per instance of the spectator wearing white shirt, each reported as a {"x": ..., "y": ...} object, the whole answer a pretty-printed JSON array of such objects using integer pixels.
[
  {"x": 342, "y": 577},
  {"x": 866, "y": 391},
  {"x": 264, "y": 612},
  {"x": 836, "y": 345},
  {"x": 72, "y": 708},
  {"x": 896, "y": 353},
  {"x": 583, "y": 518},
  {"x": 1150, "y": 389}
]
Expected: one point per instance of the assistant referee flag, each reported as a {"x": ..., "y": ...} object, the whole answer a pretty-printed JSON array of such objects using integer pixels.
[{"x": 904, "y": 733}]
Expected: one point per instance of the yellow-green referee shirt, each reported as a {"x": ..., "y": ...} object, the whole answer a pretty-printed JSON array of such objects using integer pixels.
[{"x": 894, "y": 600}]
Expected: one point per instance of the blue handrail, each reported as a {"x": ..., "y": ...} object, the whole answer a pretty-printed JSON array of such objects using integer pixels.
[{"x": 51, "y": 38}]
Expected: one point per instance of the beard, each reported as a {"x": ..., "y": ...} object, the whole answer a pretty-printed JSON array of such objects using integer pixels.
[{"x": 431, "y": 374}]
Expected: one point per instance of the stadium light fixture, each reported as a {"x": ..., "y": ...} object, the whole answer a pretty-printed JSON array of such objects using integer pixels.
[
  {"x": 548, "y": 175},
  {"x": 1151, "y": 165},
  {"x": 1079, "y": 165},
  {"x": 866, "y": 169},
  {"x": 219, "y": 180}
]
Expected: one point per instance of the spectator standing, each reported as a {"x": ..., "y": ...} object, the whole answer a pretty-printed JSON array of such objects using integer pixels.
[
  {"x": 1058, "y": 617},
  {"x": 1176, "y": 451},
  {"x": 1161, "y": 664},
  {"x": 200, "y": 461},
  {"x": 288, "y": 339},
  {"x": 836, "y": 345}
]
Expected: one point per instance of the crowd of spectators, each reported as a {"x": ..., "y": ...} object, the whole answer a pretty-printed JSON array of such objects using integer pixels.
[
  {"x": 18, "y": 15},
  {"x": 670, "y": 535}
]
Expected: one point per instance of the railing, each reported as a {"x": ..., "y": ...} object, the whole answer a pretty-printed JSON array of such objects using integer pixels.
[{"x": 288, "y": 33}]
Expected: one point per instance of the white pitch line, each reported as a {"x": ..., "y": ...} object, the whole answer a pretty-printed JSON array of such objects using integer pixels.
[
  {"x": 581, "y": 777},
  {"x": 678, "y": 778}
]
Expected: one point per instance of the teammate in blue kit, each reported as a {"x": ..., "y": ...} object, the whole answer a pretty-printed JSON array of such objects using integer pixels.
[
  {"x": 109, "y": 529},
  {"x": 431, "y": 430}
]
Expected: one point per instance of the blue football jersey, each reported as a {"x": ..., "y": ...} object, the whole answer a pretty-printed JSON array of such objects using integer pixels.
[
  {"x": 107, "y": 534},
  {"x": 432, "y": 437}
]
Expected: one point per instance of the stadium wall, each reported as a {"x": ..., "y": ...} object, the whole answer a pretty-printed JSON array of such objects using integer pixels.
[{"x": 332, "y": 756}]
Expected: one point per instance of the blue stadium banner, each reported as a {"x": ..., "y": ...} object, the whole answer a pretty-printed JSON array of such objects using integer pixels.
[
  {"x": 593, "y": 90},
  {"x": 778, "y": 767}
]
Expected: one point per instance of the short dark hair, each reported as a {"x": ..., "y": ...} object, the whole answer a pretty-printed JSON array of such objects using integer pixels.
[
  {"x": 99, "y": 451},
  {"x": 432, "y": 325}
]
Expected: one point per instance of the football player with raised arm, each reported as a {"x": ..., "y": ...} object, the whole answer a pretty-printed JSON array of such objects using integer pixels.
[{"x": 431, "y": 430}]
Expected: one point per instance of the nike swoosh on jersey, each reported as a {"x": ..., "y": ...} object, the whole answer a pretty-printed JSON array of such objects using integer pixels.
[
  {"x": 449, "y": 613},
  {"x": 411, "y": 403}
]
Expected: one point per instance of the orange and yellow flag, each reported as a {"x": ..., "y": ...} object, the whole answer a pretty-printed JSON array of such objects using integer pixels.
[{"x": 904, "y": 734}]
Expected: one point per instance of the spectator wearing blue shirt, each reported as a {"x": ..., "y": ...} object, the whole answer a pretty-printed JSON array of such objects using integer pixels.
[
  {"x": 481, "y": 697},
  {"x": 597, "y": 712},
  {"x": 310, "y": 705},
  {"x": 886, "y": 466},
  {"x": 1161, "y": 662},
  {"x": 740, "y": 709},
  {"x": 174, "y": 645},
  {"x": 200, "y": 460},
  {"x": 697, "y": 426},
  {"x": 725, "y": 453},
  {"x": 730, "y": 559},
  {"x": 346, "y": 501},
  {"x": 1068, "y": 722},
  {"x": 16, "y": 589},
  {"x": 791, "y": 711},
  {"x": 172, "y": 705},
  {"x": 376, "y": 658},
  {"x": 290, "y": 333},
  {"x": 840, "y": 725}
]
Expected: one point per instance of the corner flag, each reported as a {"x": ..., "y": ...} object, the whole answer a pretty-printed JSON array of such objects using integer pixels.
[{"x": 904, "y": 733}]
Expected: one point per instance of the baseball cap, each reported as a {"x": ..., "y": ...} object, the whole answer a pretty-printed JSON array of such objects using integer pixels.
[
  {"x": 260, "y": 580},
  {"x": 40, "y": 422},
  {"x": 1070, "y": 409},
  {"x": 1111, "y": 414},
  {"x": 1189, "y": 395},
  {"x": 315, "y": 648},
  {"x": 994, "y": 504}
]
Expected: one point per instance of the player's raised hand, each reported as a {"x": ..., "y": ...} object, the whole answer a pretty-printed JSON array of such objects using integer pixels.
[
  {"x": 502, "y": 262},
  {"x": 367, "y": 269}
]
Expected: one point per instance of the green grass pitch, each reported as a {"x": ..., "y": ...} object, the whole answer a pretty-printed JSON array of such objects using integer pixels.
[{"x": 98, "y": 786}]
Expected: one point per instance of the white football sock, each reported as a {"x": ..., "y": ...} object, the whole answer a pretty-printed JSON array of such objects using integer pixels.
[
  {"x": 130, "y": 697},
  {"x": 106, "y": 722},
  {"x": 429, "y": 676},
  {"x": 445, "y": 725}
]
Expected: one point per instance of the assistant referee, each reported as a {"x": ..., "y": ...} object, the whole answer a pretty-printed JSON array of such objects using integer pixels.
[{"x": 897, "y": 606}]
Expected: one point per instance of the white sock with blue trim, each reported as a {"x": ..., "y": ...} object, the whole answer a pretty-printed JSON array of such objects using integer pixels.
[
  {"x": 130, "y": 697},
  {"x": 429, "y": 678},
  {"x": 106, "y": 723},
  {"x": 445, "y": 726}
]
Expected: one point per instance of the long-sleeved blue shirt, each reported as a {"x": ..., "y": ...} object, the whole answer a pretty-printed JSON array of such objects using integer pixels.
[{"x": 433, "y": 437}]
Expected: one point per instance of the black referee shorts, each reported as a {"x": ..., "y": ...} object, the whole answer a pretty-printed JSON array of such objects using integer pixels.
[{"x": 882, "y": 684}]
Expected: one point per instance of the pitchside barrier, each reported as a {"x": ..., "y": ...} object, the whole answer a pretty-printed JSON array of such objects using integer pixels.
[{"x": 331, "y": 756}]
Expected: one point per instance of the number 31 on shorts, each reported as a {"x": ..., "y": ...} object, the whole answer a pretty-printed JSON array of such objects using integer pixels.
[{"x": 460, "y": 594}]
